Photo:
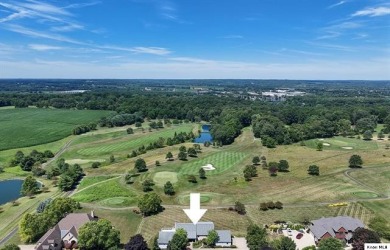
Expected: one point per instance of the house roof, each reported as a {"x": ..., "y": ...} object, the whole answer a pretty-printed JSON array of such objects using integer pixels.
[
  {"x": 72, "y": 222},
  {"x": 333, "y": 224},
  {"x": 203, "y": 228},
  {"x": 165, "y": 236},
  {"x": 224, "y": 236}
]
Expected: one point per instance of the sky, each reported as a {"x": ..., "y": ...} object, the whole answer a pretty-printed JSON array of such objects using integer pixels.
[{"x": 195, "y": 39}]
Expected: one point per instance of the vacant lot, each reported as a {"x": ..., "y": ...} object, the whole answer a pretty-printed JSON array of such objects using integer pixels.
[{"x": 32, "y": 126}]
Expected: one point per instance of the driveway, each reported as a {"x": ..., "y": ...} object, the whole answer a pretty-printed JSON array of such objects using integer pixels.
[
  {"x": 305, "y": 241},
  {"x": 240, "y": 243}
]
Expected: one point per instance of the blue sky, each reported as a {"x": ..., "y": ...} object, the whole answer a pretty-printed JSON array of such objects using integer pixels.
[{"x": 263, "y": 39}]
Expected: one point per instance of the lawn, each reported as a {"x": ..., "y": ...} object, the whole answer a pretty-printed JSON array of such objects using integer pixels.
[
  {"x": 343, "y": 143},
  {"x": 221, "y": 161},
  {"x": 381, "y": 208},
  {"x": 90, "y": 180},
  {"x": 377, "y": 178},
  {"x": 127, "y": 142},
  {"x": 32, "y": 126},
  {"x": 109, "y": 193}
]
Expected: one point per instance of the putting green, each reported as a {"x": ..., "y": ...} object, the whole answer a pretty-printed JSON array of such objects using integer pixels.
[
  {"x": 160, "y": 178},
  {"x": 342, "y": 143},
  {"x": 365, "y": 195},
  {"x": 118, "y": 202}
]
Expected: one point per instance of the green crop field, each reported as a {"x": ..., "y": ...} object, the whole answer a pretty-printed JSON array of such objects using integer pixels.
[
  {"x": 32, "y": 126},
  {"x": 221, "y": 161},
  {"x": 130, "y": 142}
]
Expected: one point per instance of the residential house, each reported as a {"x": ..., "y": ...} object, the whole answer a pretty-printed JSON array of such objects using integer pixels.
[
  {"x": 340, "y": 227},
  {"x": 194, "y": 232},
  {"x": 65, "y": 233}
]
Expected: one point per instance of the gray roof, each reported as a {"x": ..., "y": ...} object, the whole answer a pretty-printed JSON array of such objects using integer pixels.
[
  {"x": 225, "y": 236},
  {"x": 165, "y": 236},
  {"x": 189, "y": 228},
  {"x": 203, "y": 228},
  {"x": 333, "y": 224}
]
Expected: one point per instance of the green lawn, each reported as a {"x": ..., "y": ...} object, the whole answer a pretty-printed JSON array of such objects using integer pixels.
[
  {"x": 130, "y": 142},
  {"x": 221, "y": 161},
  {"x": 343, "y": 143},
  {"x": 90, "y": 180},
  {"x": 32, "y": 126},
  {"x": 110, "y": 193}
]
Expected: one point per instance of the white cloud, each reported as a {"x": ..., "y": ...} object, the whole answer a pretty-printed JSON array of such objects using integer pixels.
[
  {"x": 373, "y": 11},
  {"x": 151, "y": 50},
  {"x": 336, "y": 4},
  {"x": 43, "y": 47},
  {"x": 233, "y": 37},
  {"x": 68, "y": 27}
]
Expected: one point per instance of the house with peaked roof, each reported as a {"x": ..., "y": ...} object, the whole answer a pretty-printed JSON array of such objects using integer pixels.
[
  {"x": 65, "y": 233},
  {"x": 340, "y": 227},
  {"x": 194, "y": 232}
]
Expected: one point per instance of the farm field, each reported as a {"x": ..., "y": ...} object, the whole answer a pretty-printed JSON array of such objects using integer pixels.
[{"x": 32, "y": 126}]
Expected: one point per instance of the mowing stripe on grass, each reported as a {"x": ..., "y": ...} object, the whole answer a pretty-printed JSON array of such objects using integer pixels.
[
  {"x": 221, "y": 161},
  {"x": 133, "y": 144}
]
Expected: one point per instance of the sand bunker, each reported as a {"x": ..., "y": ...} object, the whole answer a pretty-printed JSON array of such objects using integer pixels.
[
  {"x": 347, "y": 147},
  {"x": 326, "y": 144},
  {"x": 208, "y": 167},
  {"x": 321, "y": 139}
]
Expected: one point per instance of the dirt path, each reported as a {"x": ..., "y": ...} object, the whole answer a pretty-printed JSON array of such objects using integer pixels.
[{"x": 59, "y": 153}]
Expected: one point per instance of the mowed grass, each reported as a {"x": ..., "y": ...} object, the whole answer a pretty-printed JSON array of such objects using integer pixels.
[
  {"x": 32, "y": 126},
  {"x": 107, "y": 190},
  {"x": 125, "y": 221},
  {"x": 381, "y": 208},
  {"x": 339, "y": 142},
  {"x": 377, "y": 178},
  {"x": 130, "y": 142},
  {"x": 90, "y": 180},
  {"x": 221, "y": 161}
]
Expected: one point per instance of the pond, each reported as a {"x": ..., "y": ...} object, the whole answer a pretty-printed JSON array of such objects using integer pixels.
[
  {"x": 205, "y": 135},
  {"x": 10, "y": 190}
]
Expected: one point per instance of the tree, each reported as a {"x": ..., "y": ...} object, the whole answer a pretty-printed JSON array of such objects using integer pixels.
[
  {"x": 169, "y": 156},
  {"x": 129, "y": 131},
  {"x": 202, "y": 173},
  {"x": 312, "y": 247},
  {"x": 182, "y": 156},
  {"x": 192, "y": 178},
  {"x": 313, "y": 170},
  {"x": 283, "y": 166},
  {"x": 249, "y": 172},
  {"x": 271, "y": 205},
  {"x": 263, "y": 206},
  {"x": 284, "y": 243},
  {"x": 168, "y": 188},
  {"x": 367, "y": 135},
  {"x": 278, "y": 205},
  {"x": 11, "y": 247},
  {"x": 273, "y": 168},
  {"x": 256, "y": 160},
  {"x": 149, "y": 204},
  {"x": 157, "y": 163},
  {"x": 138, "y": 124},
  {"x": 96, "y": 164},
  {"x": 381, "y": 135},
  {"x": 147, "y": 185},
  {"x": 361, "y": 236},
  {"x": 179, "y": 240},
  {"x": 112, "y": 158},
  {"x": 212, "y": 238},
  {"x": 320, "y": 146},
  {"x": 256, "y": 237},
  {"x": 140, "y": 165},
  {"x": 330, "y": 244},
  {"x": 192, "y": 152},
  {"x": 239, "y": 207},
  {"x": 183, "y": 149},
  {"x": 136, "y": 242},
  {"x": 30, "y": 186},
  {"x": 355, "y": 161},
  {"x": 66, "y": 183},
  {"x": 98, "y": 235}
]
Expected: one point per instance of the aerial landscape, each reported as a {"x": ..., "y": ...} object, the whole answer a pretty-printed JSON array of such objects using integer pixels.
[{"x": 153, "y": 124}]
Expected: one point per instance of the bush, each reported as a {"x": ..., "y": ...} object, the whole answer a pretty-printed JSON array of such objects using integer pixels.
[{"x": 96, "y": 164}]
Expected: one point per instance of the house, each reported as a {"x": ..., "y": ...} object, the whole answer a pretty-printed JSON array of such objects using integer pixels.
[
  {"x": 194, "y": 232},
  {"x": 65, "y": 233},
  {"x": 340, "y": 227}
]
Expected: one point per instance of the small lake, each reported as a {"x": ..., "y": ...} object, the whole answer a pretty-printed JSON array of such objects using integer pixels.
[
  {"x": 204, "y": 135},
  {"x": 10, "y": 190}
]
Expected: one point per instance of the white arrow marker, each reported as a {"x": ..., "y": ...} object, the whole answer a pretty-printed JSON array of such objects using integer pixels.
[{"x": 195, "y": 213}]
